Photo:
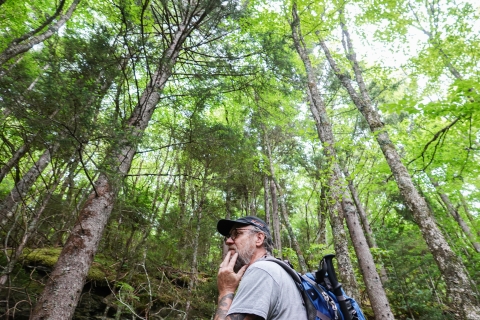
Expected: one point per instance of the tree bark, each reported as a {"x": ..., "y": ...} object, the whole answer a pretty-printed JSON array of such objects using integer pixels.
[
  {"x": 339, "y": 200},
  {"x": 26, "y": 42},
  {"x": 454, "y": 213},
  {"x": 20, "y": 190},
  {"x": 462, "y": 299},
  {"x": 62, "y": 291}
]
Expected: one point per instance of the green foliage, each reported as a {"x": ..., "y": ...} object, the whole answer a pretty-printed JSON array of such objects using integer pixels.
[{"x": 203, "y": 155}]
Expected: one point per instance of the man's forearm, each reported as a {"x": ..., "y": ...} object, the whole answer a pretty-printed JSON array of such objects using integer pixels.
[{"x": 224, "y": 304}]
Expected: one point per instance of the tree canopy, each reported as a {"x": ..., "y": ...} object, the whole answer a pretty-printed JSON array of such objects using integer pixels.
[{"x": 130, "y": 127}]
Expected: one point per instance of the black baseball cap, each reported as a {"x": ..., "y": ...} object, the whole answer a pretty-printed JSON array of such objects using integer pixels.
[{"x": 224, "y": 226}]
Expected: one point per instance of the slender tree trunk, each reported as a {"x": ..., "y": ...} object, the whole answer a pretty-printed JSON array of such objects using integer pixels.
[
  {"x": 20, "y": 152},
  {"x": 193, "y": 279},
  {"x": 286, "y": 220},
  {"x": 454, "y": 213},
  {"x": 339, "y": 199},
  {"x": 432, "y": 285},
  {"x": 26, "y": 42},
  {"x": 31, "y": 228},
  {"x": 13, "y": 160},
  {"x": 322, "y": 217},
  {"x": 301, "y": 259},
  {"x": 446, "y": 59},
  {"x": 325, "y": 134},
  {"x": 361, "y": 211},
  {"x": 21, "y": 188},
  {"x": 467, "y": 212},
  {"x": 462, "y": 299},
  {"x": 366, "y": 225},
  {"x": 62, "y": 291},
  {"x": 266, "y": 201},
  {"x": 277, "y": 240}
]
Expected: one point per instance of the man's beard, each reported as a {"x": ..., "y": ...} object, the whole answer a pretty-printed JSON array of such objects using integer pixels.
[{"x": 244, "y": 257}]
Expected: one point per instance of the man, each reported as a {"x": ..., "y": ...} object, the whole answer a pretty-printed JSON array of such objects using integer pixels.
[{"x": 266, "y": 291}]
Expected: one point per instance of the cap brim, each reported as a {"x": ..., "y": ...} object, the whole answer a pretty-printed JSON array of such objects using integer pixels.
[{"x": 224, "y": 226}]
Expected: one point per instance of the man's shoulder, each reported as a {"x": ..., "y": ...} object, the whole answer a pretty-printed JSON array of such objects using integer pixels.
[{"x": 272, "y": 268}]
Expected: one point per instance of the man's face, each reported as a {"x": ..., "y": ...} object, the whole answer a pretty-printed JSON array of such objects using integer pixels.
[{"x": 243, "y": 243}]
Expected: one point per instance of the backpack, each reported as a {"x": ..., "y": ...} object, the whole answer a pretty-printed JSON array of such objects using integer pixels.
[{"x": 318, "y": 294}]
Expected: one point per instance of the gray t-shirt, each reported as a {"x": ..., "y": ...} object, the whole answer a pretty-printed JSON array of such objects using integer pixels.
[{"x": 268, "y": 291}]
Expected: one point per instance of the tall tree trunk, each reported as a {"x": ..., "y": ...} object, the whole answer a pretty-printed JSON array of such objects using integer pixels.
[
  {"x": 454, "y": 213},
  {"x": 366, "y": 225},
  {"x": 339, "y": 200},
  {"x": 20, "y": 189},
  {"x": 462, "y": 299},
  {"x": 27, "y": 41},
  {"x": 61, "y": 293},
  {"x": 325, "y": 134}
]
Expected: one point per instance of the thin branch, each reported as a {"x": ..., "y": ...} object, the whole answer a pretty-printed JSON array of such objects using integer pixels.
[{"x": 436, "y": 136}]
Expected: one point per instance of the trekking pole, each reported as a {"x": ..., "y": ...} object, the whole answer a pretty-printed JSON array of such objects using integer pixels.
[{"x": 337, "y": 287}]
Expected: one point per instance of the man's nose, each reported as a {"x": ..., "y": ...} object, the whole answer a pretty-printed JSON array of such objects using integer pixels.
[{"x": 229, "y": 240}]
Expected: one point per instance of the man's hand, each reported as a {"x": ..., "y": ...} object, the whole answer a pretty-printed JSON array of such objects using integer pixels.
[
  {"x": 227, "y": 283},
  {"x": 227, "y": 279}
]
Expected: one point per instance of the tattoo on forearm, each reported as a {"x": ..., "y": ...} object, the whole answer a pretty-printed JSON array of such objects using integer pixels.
[{"x": 223, "y": 306}]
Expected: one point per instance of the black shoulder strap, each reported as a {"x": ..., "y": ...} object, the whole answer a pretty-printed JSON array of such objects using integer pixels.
[
  {"x": 311, "y": 311},
  {"x": 294, "y": 274}
]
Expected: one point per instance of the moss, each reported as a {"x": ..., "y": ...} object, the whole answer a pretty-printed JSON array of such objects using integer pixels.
[
  {"x": 44, "y": 256},
  {"x": 48, "y": 257},
  {"x": 96, "y": 273}
]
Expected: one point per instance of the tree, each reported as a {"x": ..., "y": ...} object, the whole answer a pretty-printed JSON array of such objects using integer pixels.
[
  {"x": 341, "y": 204},
  {"x": 26, "y": 41},
  {"x": 82, "y": 244},
  {"x": 462, "y": 297}
]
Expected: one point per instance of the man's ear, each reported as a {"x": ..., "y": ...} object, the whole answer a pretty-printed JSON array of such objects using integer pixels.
[{"x": 259, "y": 239}]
